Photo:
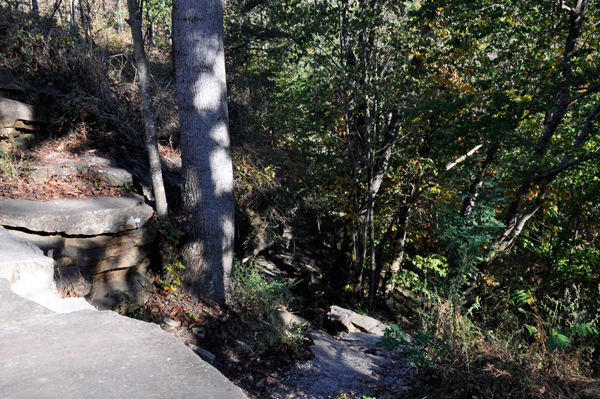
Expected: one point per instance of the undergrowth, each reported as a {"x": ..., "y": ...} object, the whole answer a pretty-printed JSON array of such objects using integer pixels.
[
  {"x": 257, "y": 298},
  {"x": 456, "y": 357}
]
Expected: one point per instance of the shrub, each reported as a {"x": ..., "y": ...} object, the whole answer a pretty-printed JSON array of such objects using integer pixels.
[
  {"x": 458, "y": 358},
  {"x": 257, "y": 297}
]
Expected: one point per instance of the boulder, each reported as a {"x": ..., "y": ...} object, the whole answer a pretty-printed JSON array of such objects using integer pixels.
[
  {"x": 57, "y": 164},
  {"x": 15, "y": 114},
  {"x": 360, "y": 341},
  {"x": 110, "y": 253},
  {"x": 76, "y": 217},
  {"x": 290, "y": 319},
  {"x": 354, "y": 322},
  {"x": 23, "y": 264},
  {"x": 31, "y": 275},
  {"x": 336, "y": 355},
  {"x": 340, "y": 367},
  {"x": 80, "y": 259}
]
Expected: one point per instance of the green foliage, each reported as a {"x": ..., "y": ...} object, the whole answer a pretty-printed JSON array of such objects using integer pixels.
[
  {"x": 456, "y": 357},
  {"x": 522, "y": 297},
  {"x": 129, "y": 307},
  {"x": 560, "y": 322},
  {"x": 351, "y": 395},
  {"x": 7, "y": 166},
  {"x": 256, "y": 298},
  {"x": 557, "y": 341},
  {"x": 427, "y": 275},
  {"x": 392, "y": 338},
  {"x": 172, "y": 257},
  {"x": 468, "y": 240}
]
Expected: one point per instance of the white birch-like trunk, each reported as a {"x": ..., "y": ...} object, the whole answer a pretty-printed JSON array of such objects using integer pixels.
[{"x": 206, "y": 156}]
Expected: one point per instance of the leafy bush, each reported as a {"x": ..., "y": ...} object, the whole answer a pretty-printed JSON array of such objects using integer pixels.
[{"x": 256, "y": 298}]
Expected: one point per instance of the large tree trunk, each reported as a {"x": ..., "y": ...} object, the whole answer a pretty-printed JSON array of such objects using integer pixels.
[
  {"x": 206, "y": 156},
  {"x": 135, "y": 22}
]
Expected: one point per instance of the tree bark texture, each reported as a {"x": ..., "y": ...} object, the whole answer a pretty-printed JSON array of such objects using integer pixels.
[
  {"x": 135, "y": 22},
  {"x": 206, "y": 155}
]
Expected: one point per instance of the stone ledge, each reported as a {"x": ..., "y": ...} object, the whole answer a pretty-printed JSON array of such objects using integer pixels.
[
  {"x": 55, "y": 164},
  {"x": 76, "y": 217}
]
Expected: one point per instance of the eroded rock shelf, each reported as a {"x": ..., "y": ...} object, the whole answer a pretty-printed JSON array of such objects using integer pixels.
[{"x": 100, "y": 246}]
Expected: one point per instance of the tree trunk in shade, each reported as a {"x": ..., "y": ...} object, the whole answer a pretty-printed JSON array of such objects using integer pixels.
[{"x": 206, "y": 155}]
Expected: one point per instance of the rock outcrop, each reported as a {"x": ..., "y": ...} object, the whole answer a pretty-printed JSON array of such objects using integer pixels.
[
  {"x": 354, "y": 322},
  {"x": 56, "y": 348},
  {"x": 101, "y": 246},
  {"x": 30, "y": 274},
  {"x": 76, "y": 217},
  {"x": 57, "y": 164}
]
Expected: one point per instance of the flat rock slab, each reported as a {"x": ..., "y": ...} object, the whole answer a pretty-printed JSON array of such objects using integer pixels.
[
  {"x": 337, "y": 368},
  {"x": 101, "y": 355},
  {"x": 360, "y": 341},
  {"x": 12, "y": 111},
  {"x": 336, "y": 357},
  {"x": 354, "y": 322},
  {"x": 14, "y": 307},
  {"x": 58, "y": 164},
  {"x": 77, "y": 217}
]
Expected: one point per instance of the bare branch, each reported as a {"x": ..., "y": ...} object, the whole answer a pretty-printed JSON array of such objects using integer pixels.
[{"x": 450, "y": 165}]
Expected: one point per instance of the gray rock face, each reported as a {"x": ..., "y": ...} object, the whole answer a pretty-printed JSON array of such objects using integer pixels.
[
  {"x": 15, "y": 114},
  {"x": 354, "y": 322},
  {"x": 360, "y": 341},
  {"x": 91, "y": 354},
  {"x": 290, "y": 319},
  {"x": 77, "y": 217},
  {"x": 79, "y": 261},
  {"x": 52, "y": 349},
  {"x": 98, "y": 266},
  {"x": 15, "y": 308},
  {"x": 55, "y": 164},
  {"x": 338, "y": 368},
  {"x": 333, "y": 355},
  {"x": 94, "y": 264},
  {"x": 30, "y": 272}
]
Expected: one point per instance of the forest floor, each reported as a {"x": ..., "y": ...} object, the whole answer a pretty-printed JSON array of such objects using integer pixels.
[{"x": 283, "y": 371}]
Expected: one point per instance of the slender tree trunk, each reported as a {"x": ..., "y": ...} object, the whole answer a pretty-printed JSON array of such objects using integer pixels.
[
  {"x": 84, "y": 17},
  {"x": 477, "y": 184},
  {"x": 35, "y": 10},
  {"x": 73, "y": 15},
  {"x": 135, "y": 23},
  {"x": 206, "y": 156}
]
